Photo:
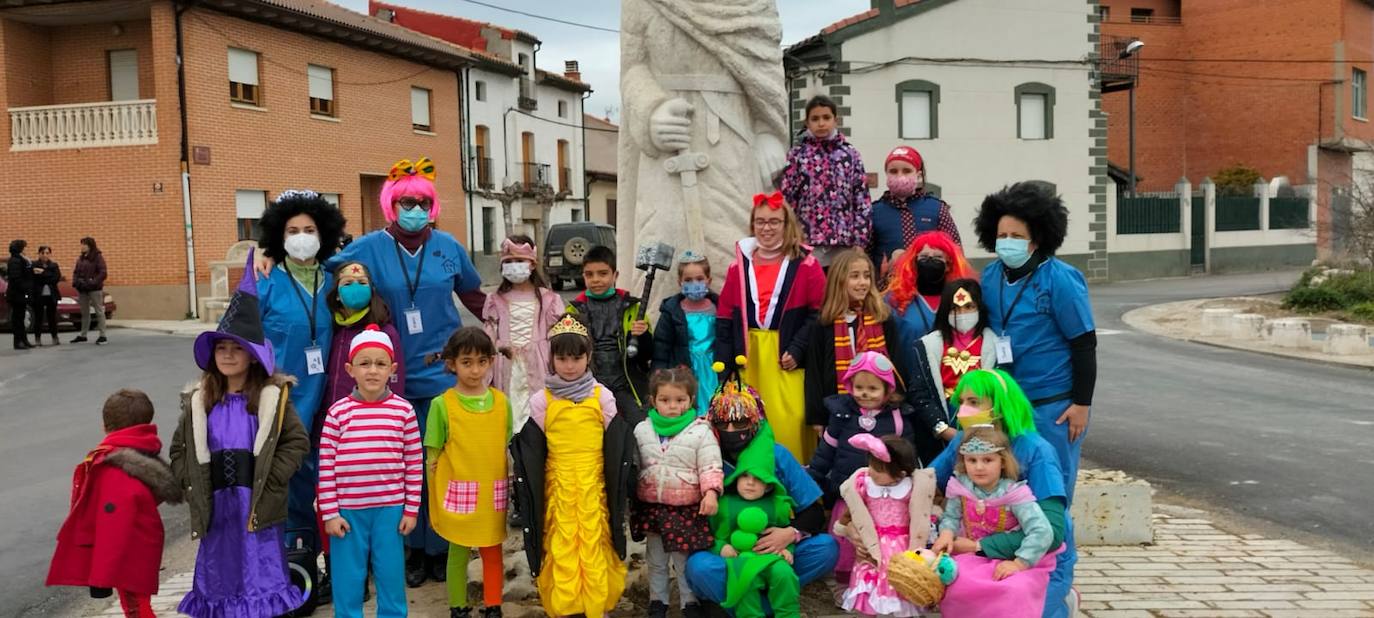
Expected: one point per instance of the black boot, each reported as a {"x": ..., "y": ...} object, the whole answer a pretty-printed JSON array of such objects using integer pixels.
[
  {"x": 437, "y": 567},
  {"x": 324, "y": 589},
  {"x": 79, "y": 339},
  {"x": 658, "y": 609},
  {"x": 415, "y": 568},
  {"x": 491, "y": 612},
  {"x": 693, "y": 610},
  {"x": 460, "y": 612}
]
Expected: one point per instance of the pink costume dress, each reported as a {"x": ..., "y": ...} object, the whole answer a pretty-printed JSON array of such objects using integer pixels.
[
  {"x": 976, "y": 593},
  {"x": 869, "y": 593}
]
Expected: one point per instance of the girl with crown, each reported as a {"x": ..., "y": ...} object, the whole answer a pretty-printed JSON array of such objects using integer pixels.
[{"x": 574, "y": 473}]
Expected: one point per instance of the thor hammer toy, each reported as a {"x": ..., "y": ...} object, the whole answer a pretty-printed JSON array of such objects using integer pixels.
[{"x": 650, "y": 258}]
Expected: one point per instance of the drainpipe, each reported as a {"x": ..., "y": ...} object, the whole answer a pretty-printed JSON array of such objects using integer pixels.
[
  {"x": 191, "y": 299},
  {"x": 463, "y": 118},
  {"x": 586, "y": 184}
]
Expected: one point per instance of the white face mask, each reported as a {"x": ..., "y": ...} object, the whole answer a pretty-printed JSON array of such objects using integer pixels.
[
  {"x": 963, "y": 322},
  {"x": 516, "y": 272},
  {"x": 302, "y": 247}
]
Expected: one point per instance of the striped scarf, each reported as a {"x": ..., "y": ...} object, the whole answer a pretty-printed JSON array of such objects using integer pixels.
[{"x": 869, "y": 335}]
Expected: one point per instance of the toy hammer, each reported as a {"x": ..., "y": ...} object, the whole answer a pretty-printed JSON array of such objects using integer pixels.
[{"x": 650, "y": 258}]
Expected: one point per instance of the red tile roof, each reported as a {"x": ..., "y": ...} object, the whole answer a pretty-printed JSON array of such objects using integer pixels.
[
  {"x": 864, "y": 16},
  {"x": 451, "y": 28}
]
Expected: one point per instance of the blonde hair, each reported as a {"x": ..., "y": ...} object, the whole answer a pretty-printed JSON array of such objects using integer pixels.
[
  {"x": 791, "y": 230},
  {"x": 994, "y": 436},
  {"x": 837, "y": 297}
]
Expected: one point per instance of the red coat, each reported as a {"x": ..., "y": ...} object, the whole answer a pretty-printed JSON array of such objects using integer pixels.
[{"x": 113, "y": 536}]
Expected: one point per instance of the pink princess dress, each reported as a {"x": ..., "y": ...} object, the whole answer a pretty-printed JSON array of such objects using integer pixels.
[
  {"x": 978, "y": 514},
  {"x": 890, "y": 510}
]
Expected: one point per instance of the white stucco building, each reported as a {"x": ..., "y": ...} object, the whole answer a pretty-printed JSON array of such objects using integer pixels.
[{"x": 990, "y": 92}]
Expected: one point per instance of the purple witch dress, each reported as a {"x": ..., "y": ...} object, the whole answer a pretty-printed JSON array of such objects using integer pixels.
[{"x": 239, "y": 574}]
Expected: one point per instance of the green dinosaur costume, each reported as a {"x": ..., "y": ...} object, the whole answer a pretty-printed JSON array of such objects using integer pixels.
[{"x": 738, "y": 523}]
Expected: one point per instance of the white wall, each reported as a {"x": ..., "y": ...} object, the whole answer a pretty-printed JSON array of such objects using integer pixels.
[{"x": 977, "y": 150}]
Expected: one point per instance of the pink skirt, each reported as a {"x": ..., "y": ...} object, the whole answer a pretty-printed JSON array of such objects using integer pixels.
[{"x": 975, "y": 594}]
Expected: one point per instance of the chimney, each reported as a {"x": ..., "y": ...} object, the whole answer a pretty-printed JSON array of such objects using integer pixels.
[
  {"x": 572, "y": 71},
  {"x": 884, "y": 7},
  {"x": 386, "y": 15}
]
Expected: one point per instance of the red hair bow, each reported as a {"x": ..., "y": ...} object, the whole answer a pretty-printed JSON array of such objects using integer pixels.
[{"x": 773, "y": 200}]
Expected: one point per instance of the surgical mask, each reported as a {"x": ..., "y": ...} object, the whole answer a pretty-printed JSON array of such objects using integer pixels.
[
  {"x": 732, "y": 443},
  {"x": 695, "y": 290},
  {"x": 413, "y": 219},
  {"x": 903, "y": 187},
  {"x": 302, "y": 247},
  {"x": 970, "y": 416},
  {"x": 963, "y": 322},
  {"x": 516, "y": 272},
  {"x": 930, "y": 275},
  {"x": 355, "y": 295},
  {"x": 1014, "y": 252}
]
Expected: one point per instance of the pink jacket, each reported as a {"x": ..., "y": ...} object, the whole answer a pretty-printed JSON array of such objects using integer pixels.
[
  {"x": 497, "y": 312},
  {"x": 680, "y": 471}
]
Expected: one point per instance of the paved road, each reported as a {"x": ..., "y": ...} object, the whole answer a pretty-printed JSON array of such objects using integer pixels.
[
  {"x": 49, "y": 418},
  {"x": 1284, "y": 441}
]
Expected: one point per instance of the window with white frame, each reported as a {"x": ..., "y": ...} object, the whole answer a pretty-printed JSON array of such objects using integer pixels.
[
  {"x": 1034, "y": 111},
  {"x": 332, "y": 198},
  {"x": 419, "y": 109},
  {"x": 321, "y": 90},
  {"x": 918, "y": 109},
  {"x": 1359, "y": 87},
  {"x": 244, "y": 86},
  {"x": 248, "y": 207}
]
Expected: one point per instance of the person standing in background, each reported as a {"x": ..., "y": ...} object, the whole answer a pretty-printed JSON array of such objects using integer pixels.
[
  {"x": 88, "y": 277},
  {"x": 46, "y": 274}
]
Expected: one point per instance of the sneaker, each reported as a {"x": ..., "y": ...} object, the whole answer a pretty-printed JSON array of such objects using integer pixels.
[
  {"x": 79, "y": 339},
  {"x": 491, "y": 611},
  {"x": 102, "y": 340},
  {"x": 1072, "y": 600},
  {"x": 460, "y": 612},
  {"x": 658, "y": 609},
  {"x": 693, "y": 610}
]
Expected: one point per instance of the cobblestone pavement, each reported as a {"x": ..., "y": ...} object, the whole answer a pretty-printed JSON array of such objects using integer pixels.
[{"x": 1194, "y": 569}]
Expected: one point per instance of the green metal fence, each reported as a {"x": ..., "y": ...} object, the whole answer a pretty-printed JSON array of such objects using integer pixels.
[
  {"x": 1148, "y": 215},
  {"x": 1235, "y": 214},
  {"x": 1288, "y": 213}
]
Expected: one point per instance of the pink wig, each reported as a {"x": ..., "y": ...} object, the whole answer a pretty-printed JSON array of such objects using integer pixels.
[{"x": 412, "y": 186}]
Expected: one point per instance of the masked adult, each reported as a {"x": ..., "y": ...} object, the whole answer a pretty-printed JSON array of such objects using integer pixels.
[
  {"x": 906, "y": 210},
  {"x": 913, "y": 291}
]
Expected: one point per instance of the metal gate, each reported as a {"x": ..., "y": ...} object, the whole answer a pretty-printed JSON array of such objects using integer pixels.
[{"x": 1198, "y": 242}]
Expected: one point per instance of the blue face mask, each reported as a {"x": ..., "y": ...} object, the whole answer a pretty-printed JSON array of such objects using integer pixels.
[
  {"x": 413, "y": 219},
  {"x": 695, "y": 290},
  {"x": 1014, "y": 252},
  {"x": 355, "y": 295}
]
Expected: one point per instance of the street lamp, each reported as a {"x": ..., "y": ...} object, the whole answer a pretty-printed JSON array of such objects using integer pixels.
[{"x": 1131, "y": 49}]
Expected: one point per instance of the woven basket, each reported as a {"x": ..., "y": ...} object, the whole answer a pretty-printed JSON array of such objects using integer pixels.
[{"x": 914, "y": 579}]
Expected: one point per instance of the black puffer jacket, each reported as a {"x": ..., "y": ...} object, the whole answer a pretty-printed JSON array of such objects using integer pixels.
[
  {"x": 672, "y": 341},
  {"x": 19, "y": 276}
]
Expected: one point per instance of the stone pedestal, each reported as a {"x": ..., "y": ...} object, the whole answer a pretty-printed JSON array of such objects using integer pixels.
[
  {"x": 1347, "y": 339},
  {"x": 1217, "y": 322},
  {"x": 1111, "y": 508},
  {"x": 1247, "y": 326},
  {"x": 1295, "y": 333}
]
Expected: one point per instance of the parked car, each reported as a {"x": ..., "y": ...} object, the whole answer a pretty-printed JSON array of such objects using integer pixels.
[
  {"x": 68, "y": 310},
  {"x": 565, "y": 246}
]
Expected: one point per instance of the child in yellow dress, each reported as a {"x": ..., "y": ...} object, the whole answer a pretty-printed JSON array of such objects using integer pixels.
[
  {"x": 575, "y": 471},
  {"x": 468, "y": 429}
]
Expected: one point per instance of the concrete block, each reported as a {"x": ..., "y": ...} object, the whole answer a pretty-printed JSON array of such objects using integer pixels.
[
  {"x": 1247, "y": 326},
  {"x": 1293, "y": 333},
  {"x": 1111, "y": 508},
  {"x": 1217, "y": 322},
  {"x": 1347, "y": 339}
]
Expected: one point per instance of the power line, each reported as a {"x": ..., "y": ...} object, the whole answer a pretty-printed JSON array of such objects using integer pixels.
[
  {"x": 544, "y": 17},
  {"x": 1259, "y": 60},
  {"x": 566, "y": 124}
]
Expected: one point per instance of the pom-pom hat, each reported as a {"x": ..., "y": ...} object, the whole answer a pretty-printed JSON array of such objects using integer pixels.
[{"x": 372, "y": 337}]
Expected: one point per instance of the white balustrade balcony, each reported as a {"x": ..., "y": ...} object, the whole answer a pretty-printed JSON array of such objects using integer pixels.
[{"x": 83, "y": 125}]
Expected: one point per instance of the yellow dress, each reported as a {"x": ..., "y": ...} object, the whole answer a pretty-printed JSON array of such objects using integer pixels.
[
  {"x": 581, "y": 573},
  {"x": 469, "y": 490},
  {"x": 783, "y": 393}
]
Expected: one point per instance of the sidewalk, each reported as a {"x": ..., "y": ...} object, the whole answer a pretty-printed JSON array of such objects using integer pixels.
[
  {"x": 1194, "y": 569},
  {"x": 1183, "y": 320},
  {"x": 186, "y": 328}
]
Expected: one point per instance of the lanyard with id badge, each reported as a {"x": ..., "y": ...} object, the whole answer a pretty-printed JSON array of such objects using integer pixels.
[
  {"x": 314, "y": 356},
  {"x": 1005, "y": 358},
  {"x": 414, "y": 323}
]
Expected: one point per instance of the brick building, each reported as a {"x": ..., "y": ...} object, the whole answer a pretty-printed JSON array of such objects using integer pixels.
[
  {"x": 270, "y": 95},
  {"x": 1277, "y": 85}
]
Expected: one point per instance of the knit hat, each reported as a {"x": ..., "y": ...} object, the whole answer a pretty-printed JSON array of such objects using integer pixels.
[
  {"x": 241, "y": 323},
  {"x": 907, "y": 154},
  {"x": 371, "y": 337},
  {"x": 872, "y": 362}
]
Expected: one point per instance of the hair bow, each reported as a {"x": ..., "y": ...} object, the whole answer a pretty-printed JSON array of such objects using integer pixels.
[
  {"x": 872, "y": 444},
  {"x": 423, "y": 167},
  {"x": 773, "y": 200}
]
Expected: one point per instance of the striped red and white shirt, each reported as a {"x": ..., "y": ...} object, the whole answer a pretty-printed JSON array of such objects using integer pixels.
[{"x": 370, "y": 456}]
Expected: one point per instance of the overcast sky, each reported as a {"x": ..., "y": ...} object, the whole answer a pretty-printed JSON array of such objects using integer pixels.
[{"x": 597, "y": 51}]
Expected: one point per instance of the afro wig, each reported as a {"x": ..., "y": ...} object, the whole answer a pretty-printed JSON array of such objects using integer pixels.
[
  {"x": 1034, "y": 203},
  {"x": 328, "y": 221}
]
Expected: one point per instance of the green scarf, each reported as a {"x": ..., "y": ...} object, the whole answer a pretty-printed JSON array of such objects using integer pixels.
[
  {"x": 350, "y": 320},
  {"x": 602, "y": 296},
  {"x": 307, "y": 274},
  {"x": 669, "y": 427}
]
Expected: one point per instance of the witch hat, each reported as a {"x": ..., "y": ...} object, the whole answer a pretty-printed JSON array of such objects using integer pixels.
[{"x": 242, "y": 323}]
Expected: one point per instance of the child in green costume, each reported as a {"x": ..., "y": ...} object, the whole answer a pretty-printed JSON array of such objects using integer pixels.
[{"x": 754, "y": 501}]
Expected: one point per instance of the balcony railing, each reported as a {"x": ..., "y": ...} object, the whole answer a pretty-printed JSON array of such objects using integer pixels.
[
  {"x": 484, "y": 173},
  {"x": 536, "y": 174},
  {"x": 83, "y": 125},
  {"x": 527, "y": 100}
]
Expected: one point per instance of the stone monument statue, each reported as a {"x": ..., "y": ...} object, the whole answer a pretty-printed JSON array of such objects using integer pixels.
[{"x": 703, "y": 125}]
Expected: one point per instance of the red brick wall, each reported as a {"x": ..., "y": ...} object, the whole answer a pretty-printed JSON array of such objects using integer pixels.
[
  {"x": 1358, "y": 44},
  {"x": 28, "y": 70},
  {"x": 80, "y": 63}
]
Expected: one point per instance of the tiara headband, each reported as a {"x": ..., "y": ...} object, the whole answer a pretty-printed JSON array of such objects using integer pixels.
[
  {"x": 690, "y": 257},
  {"x": 296, "y": 193},
  {"x": 979, "y": 446},
  {"x": 962, "y": 298},
  {"x": 569, "y": 325}
]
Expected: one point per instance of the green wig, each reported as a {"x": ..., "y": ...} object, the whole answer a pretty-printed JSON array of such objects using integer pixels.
[{"x": 1009, "y": 403}]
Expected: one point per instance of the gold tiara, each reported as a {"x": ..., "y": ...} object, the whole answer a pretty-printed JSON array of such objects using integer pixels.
[
  {"x": 962, "y": 298},
  {"x": 569, "y": 324}
]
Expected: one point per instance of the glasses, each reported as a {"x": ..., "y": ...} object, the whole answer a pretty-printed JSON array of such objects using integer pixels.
[
  {"x": 768, "y": 223},
  {"x": 423, "y": 203}
]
